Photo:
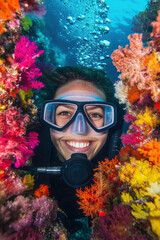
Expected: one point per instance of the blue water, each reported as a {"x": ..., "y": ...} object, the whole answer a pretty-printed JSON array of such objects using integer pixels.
[{"x": 88, "y": 31}]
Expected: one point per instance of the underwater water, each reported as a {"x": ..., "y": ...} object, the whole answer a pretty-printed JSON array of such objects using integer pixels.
[{"x": 88, "y": 31}]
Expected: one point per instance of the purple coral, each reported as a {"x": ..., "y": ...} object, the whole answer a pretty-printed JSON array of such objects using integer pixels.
[
  {"x": 44, "y": 208},
  {"x": 28, "y": 233},
  {"x": 117, "y": 225},
  {"x": 24, "y": 212}
]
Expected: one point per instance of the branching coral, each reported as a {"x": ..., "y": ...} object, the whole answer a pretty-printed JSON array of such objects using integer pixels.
[
  {"x": 24, "y": 60},
  {"x": 43, "y": 190},
  {"x": 139, "y": 161},
  {"x": 13, "y": 144},
  {"x": 94, "y": 199},
  {"x": 21, "y": 217},
  {"x": 129, "y": 60}
]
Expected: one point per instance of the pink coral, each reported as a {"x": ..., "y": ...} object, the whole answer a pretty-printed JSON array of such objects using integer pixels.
[
  {"x": 133, "y": 139},
  {"x": 13, "y": 123},
  {"x": 13, "y": 144},
  {"x": 156, "y": 27},
  {"x": 129, "y": 118},
  {"x": 11, "y": 184},
  {"x": 25, "y": 53},
  {"x": 129, "y": 61},
  {"x": 24, "y": 59}
]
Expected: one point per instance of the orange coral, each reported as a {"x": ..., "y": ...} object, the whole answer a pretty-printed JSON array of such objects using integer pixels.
[
  {"x": 153, "y": 65},
  {"x": 43, "y": 190},
  {"x": 107, "y": 168},
  {"x": 151, "y": 151},
  {"x": 134, "y": 94},
  {"x": 95, "y": 199},
  {"x": 128, "y": 151},
  {"x": 7, "y": 7},
  {"x": 2, "y": 30}
]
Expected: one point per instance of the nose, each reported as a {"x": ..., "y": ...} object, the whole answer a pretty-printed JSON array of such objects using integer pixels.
[{"x": 79, "y": 125}]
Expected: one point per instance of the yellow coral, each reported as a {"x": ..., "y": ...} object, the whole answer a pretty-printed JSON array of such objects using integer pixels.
[
  {"x": 147, "y": 118},
  {"x": 139, "y": 211},
  {"x": 154, "y": 213},
  {"x": 126, "y": 197},
  {"x": 29, "y": 181},
  {"x": 155, "y": 223},
  {"x": 142, "y": 175},
  {"x": 24, "y": 95}
]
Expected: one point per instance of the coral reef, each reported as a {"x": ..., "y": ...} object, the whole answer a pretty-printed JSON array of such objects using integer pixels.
[
  {"x": 132, "y": 210},
  {"x": 25, "y": 212}
]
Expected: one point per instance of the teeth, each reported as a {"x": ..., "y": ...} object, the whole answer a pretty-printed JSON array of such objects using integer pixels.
[{"x": 78, "y": 145}]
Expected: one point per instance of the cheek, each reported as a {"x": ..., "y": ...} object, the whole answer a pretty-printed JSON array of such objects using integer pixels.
[{"x": 102, "y": 139}]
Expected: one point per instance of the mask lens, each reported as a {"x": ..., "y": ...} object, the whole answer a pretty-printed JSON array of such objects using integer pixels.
[
  {"x": 59, "y": 114},
  {"x": 100, "y": 115}
]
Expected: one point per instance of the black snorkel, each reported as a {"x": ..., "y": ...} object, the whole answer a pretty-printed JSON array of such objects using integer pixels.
[{"x": 76, "y": 172}]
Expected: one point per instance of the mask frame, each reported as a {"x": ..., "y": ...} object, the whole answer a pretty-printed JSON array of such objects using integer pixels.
[{"x": 80, "y": 108}]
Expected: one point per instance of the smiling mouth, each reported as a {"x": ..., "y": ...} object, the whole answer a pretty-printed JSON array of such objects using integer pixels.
[{"x": 78, "y": 145}]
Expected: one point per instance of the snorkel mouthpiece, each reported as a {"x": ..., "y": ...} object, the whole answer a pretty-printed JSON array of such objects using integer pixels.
[{"x": 77, "y": 171}]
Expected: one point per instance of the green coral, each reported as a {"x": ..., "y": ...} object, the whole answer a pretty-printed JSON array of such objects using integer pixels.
[{"x": 26, "y": 23}]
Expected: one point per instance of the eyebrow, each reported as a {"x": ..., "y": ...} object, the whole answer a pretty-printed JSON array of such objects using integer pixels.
[
  {"x": 69, "y": 106},
  {"x": 94, "y": 107}
]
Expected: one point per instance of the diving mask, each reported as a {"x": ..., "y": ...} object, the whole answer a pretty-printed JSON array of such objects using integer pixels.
[{"x": 59, "y": 114}]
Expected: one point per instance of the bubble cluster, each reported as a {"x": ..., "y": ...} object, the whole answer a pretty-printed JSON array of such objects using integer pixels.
[{"x": 86, "y": 31}]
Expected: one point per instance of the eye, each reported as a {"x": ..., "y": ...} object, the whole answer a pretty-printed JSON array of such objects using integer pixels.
[
  {"x": 64, "y": 114},
  {"x": 95, "y": 116}
]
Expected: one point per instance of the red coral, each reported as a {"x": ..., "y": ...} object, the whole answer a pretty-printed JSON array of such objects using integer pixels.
[{"x": 43, "y": 190}]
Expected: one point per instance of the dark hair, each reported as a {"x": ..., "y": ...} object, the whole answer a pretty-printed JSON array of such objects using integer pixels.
[{"x": 62, "y": 75}]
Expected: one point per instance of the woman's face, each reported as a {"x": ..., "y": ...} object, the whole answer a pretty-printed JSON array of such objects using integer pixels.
[{"x": 86, "y": 140}]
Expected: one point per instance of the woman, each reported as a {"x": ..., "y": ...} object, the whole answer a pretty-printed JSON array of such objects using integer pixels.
[{"x": 82, "y": 119}]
